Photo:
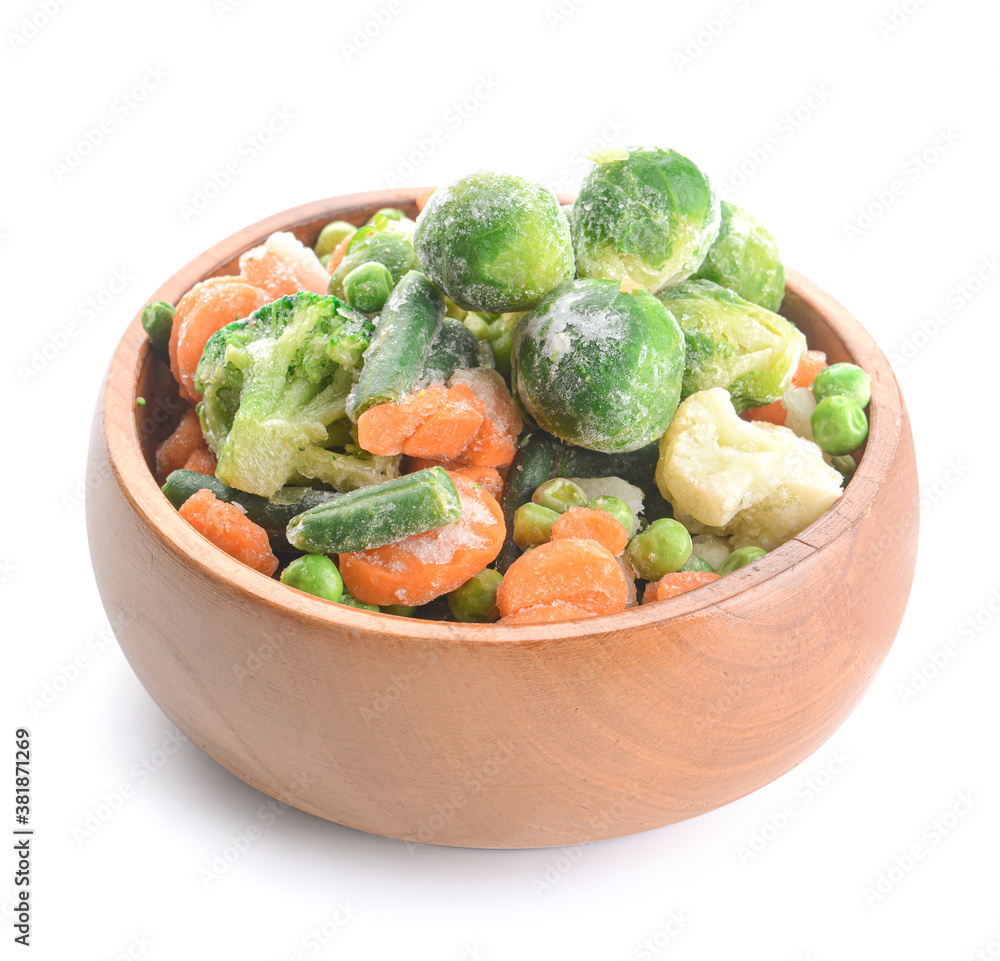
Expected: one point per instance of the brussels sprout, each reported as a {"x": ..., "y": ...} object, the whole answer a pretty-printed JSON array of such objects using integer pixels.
[
  {"x": 599, "y": 368},
  {"x": 733, "y": 343},
  {"x": 745, "y": 258},
  {"x": 650, "y": 218},
  {"x": 494, "y": 242}
]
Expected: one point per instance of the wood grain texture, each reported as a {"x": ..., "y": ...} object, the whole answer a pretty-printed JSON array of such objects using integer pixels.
[{"x": 486, "y": 736}]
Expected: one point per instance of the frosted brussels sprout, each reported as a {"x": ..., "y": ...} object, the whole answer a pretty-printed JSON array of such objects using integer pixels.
[
  {"x": 650, "y": 218},
  {"x": 494, "y": 242},
  {"x": 745, "y": 259},
  {"x": 734, "y": 344},
  {"x": 757, "y": 483},
  {"x": 598, "y": 368}
]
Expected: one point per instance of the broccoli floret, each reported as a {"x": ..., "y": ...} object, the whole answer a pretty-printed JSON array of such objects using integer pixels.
[{"x": 274, "y": 387}]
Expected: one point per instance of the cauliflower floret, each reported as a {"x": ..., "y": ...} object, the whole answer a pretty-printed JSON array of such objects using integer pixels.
[
  {"x": 754, "y": 482},
  {"x": 711, "y": 548}
]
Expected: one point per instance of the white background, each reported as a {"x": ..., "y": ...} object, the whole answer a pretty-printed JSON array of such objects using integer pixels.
[{"x": 850, "y": 104}]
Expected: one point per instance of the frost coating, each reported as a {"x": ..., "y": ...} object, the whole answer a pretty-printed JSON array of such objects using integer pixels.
[
  {"x": 597, "y": 368},
  {"x": 613, "y": 487},
  {"x": 650, "y": 218},
  {"x": 494, "y": 242},
  {"x": 756, "y": 482}
]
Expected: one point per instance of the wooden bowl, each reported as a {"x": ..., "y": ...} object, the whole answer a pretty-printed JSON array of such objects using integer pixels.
[{"x": 489, "y": 736}]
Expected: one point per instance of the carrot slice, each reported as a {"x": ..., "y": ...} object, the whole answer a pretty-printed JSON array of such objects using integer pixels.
[
  {"x": 495, "y": 442},
  {"x": 673, "y": 584},
  {"x": 229, "y": 529},
  {"x": 579, "y": 572},
  {"x": 422, "y": 567},
  {"x": 421, "y": 199},
  {"x": 384, "y": 428},
  {"x": 600, "y": 526},
  {"x": 202, "y": 461},
  {"x": 773, "y": 413},
  {"x": 338, "y": 253},
  {"x": 173, "y": 453},
  {"x": 546, "y": 613},
  {"x": 283, "y": 265},
  {"x": 813, "y": 361},
  {"x": 448, "y": 430},
  {"x": 203, "y": 310}
]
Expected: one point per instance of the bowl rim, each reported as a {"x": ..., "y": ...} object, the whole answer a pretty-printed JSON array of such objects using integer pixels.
[{"x": 131, "y": 472}]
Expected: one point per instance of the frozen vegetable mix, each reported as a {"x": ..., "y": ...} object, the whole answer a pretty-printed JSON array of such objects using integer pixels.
[{"x": 507, "y": 410}]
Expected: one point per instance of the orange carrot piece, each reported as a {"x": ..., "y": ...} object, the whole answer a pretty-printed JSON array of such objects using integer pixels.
[
  {"x": 421, "y": 199},
  {"x": 588, "y": 524},
  {"x": 229, "y": 529},
  {"x": 448, "y": 430},
  {"x": 579, "y": 572},
  {"x": 202, "y": 461},
  {"x": 495, "y": 442},
  {"x": 173, "y": 453},
  {"x": 546, "y": 614},
  {"x": 773, "y": 413},
  {"x": 673, "y": 584},
  {"x": 338, "y": 253},
  {"x": 813, "y": 361},
  {"x": 383, "y": 429},
  {"x": 203, "y": 310},
  {"x": 422, "y": 567},
  {"x": 283, "y": 265},
  {"x": 487, "y": 477}
]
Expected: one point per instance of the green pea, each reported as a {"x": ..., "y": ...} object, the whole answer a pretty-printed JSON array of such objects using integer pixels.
[
  {"x": 533, "y": 525},
  {"x": 843, "y": 380},
  {"x": 501, "y": 343},
  {"x": 349, "y": 601},
  {"x": 477, "y": 324},
  {"x": 740, "y": 558},
  {"x": 839, "y": 425},
  {"x": 696, "y": 563},
  {"x": 315, "y": 574},
  {"x": 661, "y": 549},
  {"x": 559, "y": 494},
  {"x": 367, "y": 288},
  {"x": 390, "y": 213},
  {"x": 400, "y": 610},
  {"x": 616, "y": 507},
  {"x": 476, "y": 600},
  {"x": 332, "y": 235},
  {"x": 451, "y": 309},
  {"x": 845, "y": 464}
]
